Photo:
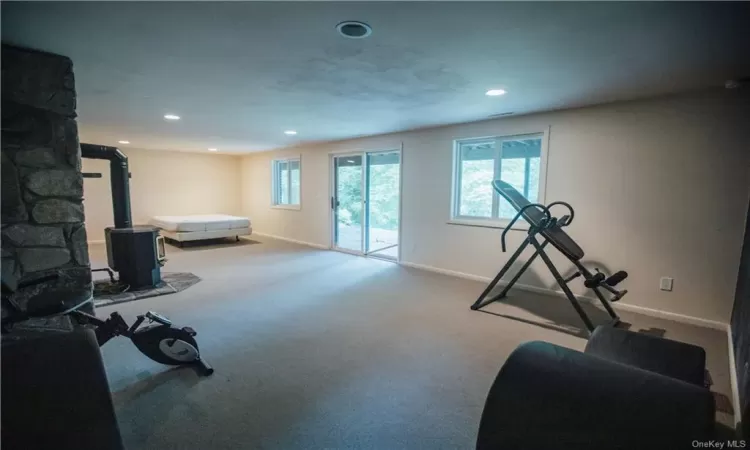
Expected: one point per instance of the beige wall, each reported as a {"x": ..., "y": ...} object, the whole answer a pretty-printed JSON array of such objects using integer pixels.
[
  {"x": 660, "y": 188},
  {"x": 164, "y": 183}
]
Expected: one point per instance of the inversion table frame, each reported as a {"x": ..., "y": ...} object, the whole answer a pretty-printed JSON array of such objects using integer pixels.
[{"x": 549, "y": 228}]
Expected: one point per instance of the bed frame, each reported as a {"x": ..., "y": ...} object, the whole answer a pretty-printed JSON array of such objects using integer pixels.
[{"x": 182, "y": 236}]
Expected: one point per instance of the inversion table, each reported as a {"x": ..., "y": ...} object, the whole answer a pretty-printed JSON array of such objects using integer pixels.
[{"x": 544, "y": 229}]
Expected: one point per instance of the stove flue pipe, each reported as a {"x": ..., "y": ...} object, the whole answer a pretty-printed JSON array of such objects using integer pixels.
[{"x": 119, "y": 179}]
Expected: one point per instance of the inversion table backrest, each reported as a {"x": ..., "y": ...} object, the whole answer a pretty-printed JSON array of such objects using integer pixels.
[{"x": 534, "y": 216}]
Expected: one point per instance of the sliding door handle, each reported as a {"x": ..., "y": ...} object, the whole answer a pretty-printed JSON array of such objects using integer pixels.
[{"x": 334, "y": 203}]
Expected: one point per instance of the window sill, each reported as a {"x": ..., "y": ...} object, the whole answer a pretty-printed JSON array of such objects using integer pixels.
[
  {"x": 501, "y": 224},
  {"x": 291, "y": 207}
]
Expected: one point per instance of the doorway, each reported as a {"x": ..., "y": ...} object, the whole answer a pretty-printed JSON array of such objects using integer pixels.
[{"x": 365, "y": 203}]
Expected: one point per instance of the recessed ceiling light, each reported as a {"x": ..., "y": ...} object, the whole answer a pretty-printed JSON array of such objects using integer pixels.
[
  {"x": 171, "y": 117},
  {"x": 353, "y": 29},
  {"x": 495, "y": 92},
  {"x": 213, "y": 149},
  {"x": 123, "y": 142},
  {"x": 290, "y": 132}
]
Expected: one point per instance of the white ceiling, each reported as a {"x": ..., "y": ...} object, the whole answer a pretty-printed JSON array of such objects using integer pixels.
[{"x": 240, "y": 74}]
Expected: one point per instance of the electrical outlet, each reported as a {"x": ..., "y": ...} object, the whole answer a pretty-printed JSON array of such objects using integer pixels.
[{"x": 665, "y": 284}]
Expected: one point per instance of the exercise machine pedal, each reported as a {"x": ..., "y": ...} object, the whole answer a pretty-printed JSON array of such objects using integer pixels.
[
  {"x": 158, "y": 318},
  {"x": 616, "y": 278}
]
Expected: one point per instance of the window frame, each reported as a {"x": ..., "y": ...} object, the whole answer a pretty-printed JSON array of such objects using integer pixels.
[
  {"x": 495, "y": 222},
  {"x": 276, "y": 186}
]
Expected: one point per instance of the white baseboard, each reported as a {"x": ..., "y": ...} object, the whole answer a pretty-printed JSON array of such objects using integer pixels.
[
  {"x": 452, "y": 273},
  {"x": 675, "y": 317},
  {"x": 733, "y": 380},
  {"x": 295, "y": 241},
  {"x": 706, "y": 323}
]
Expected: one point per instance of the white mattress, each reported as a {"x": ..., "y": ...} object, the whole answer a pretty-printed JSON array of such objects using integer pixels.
[{"x": 206, "y": 222}]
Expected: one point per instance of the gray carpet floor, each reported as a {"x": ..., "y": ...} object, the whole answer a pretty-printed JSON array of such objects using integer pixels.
[{"x": 317, "y": 349}]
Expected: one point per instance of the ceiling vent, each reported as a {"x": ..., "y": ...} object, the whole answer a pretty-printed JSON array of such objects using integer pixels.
[
  {"x": 502, "y": 114},
  {"x": 352, "y": 29}
]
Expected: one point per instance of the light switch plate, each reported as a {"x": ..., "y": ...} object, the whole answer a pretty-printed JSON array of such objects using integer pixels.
[{"x": 665, "y": 284}]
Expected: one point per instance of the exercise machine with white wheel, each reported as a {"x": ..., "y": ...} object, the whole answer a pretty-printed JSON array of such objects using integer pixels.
[{"x": 159, "y": 339}]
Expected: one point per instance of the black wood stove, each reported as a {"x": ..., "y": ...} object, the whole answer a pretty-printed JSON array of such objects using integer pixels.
[{"x": 135, "y": 252}]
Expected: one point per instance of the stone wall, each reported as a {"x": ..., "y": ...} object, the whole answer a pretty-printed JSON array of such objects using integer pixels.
[{"x": 42, "y": 187}]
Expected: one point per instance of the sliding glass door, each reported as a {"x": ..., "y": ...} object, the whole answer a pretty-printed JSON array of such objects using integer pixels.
[
  {"x": 382, "y": 203},
  {"x": 365, "y": 203},
  {"x": 347, "y": 203}
]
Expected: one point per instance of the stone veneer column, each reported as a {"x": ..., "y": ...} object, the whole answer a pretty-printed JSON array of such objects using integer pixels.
[{"x": 42, "y": 187}]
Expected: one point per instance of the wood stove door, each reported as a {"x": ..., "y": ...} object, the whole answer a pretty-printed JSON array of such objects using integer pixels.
[{"x": 161, "y": 251}]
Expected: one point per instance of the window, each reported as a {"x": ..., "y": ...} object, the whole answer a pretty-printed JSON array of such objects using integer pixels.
[
  {"x": 286, "y": 183},
  {"x": 517, "y": 160}
]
